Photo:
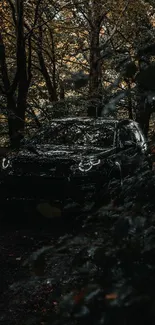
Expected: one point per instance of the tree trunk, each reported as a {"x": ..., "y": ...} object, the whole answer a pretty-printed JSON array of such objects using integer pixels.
[
  {"x": 11, "y": 111},
  {"x": 22, "y": 77},
  {"x": 62, "y": 90},
  {"x": 143, "y": 114},
  {"x": 52, "y": 91},
  {"x": 129, "y": 100},
  {"x": 16, "y": 107},
  {"x": 95, "y": 72},
  {"x": 11, "y": 104},
  {"x": 95, "y": 67},
  {"x": 95, "y": 85}
]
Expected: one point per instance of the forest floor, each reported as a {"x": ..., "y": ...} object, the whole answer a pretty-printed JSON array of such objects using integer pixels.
[{"x": 97, "y": 269}]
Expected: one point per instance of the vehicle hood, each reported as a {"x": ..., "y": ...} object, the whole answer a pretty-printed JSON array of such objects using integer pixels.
[{"x": 49, "y": 151}]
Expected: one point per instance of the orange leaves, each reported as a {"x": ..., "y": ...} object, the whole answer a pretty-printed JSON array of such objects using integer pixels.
[{"x": 111, "y": 296}]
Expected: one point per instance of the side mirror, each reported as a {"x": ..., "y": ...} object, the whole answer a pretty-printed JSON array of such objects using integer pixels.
[{"x": 129, "y": 144}]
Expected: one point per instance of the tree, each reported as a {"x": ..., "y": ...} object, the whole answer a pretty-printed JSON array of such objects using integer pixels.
[{"x": 16, "y": 90}]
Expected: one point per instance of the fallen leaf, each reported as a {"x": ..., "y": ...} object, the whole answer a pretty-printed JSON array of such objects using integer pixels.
[{"x": 111, "y": 296}]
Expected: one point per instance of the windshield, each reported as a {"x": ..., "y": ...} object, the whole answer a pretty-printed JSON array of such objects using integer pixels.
[
  {"x": 131, "y": 133},
  {"x": 71, "y": 132}
]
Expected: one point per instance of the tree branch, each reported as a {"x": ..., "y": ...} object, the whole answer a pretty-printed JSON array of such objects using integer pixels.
[
  {"x": 13, "y": 12},
  {"x": 115, "y": 27},
  {"x": 32, "y": 113}
]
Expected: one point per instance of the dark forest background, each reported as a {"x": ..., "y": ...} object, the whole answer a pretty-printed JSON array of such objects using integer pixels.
[{"x": 74, "y": 57}]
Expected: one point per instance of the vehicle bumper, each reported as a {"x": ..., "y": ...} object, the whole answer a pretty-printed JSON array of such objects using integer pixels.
[{"x": 58, "y": 192}]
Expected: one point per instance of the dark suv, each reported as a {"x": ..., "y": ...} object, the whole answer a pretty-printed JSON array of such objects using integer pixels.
[{"x": 72, "y": 159}]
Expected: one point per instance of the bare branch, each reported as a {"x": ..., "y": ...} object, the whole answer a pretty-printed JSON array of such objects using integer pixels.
[
  {"x": 32, "y": 113},
  {"x": 36, "y": 16},
  {"x": 116, "y": 26},
  {"x": 83, "y": 13},
  {"x": 13, "y": 12}
]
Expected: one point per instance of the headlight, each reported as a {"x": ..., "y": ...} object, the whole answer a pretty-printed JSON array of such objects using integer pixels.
[
  {"x": 86, "y": 164},
  {"x": 5, "y": 163},
  {"x": 95, "y": 161}
]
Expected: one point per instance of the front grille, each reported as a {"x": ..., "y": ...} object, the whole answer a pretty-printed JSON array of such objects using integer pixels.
[
  {"x": 36, "y": 180},
  {"x": 44, "y": 167}
]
